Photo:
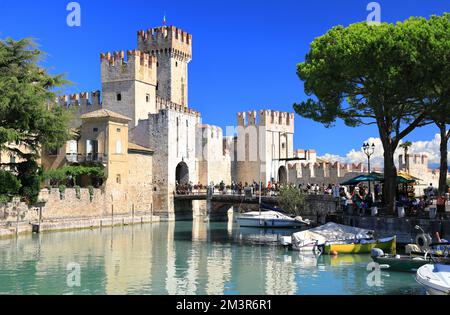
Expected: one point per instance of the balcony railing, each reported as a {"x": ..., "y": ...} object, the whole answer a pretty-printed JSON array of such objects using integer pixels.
[
  {"x": 90, "y": 157},
  {"x": 72, "y": 157}
]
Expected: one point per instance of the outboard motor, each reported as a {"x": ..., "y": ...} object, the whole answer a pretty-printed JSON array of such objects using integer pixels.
[{"x": 376, "y": 252}]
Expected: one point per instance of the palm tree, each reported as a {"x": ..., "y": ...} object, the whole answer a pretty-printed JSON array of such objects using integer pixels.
[{"x": 405, "y": 146}]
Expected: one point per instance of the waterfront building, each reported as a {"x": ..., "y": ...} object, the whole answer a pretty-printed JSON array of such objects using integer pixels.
[{"x": 141, "y": 129}]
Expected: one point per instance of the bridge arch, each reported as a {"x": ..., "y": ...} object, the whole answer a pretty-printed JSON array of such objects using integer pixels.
[{"x": 282, "y": 175}]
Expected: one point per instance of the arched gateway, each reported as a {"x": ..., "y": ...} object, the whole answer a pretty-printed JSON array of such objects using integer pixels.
[
  {"x": 282, "y": 175},
  {"x": 182, "y": 174}
]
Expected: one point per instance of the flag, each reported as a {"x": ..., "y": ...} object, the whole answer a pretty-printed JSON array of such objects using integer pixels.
[{"x": 164, "y": 20}]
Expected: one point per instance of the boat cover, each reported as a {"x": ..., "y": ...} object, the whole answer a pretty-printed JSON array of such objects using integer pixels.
[{"x": 330, "y": 232}]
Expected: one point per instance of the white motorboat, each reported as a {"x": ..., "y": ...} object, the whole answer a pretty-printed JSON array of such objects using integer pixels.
[
  {"x": 435, "y": 278},
  {"x": 269, "y": 219}
]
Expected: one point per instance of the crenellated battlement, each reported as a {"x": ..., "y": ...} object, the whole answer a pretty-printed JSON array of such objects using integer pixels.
[
  {"x": 325, "y": 172},
  {"x": 163, "y": 104},
  {"x": 268, "y": 118},
  {"x": 211, "y": 133},
  {"x": 79, "y": 104},
  {"x": 138, "y": 66},
  {"x": 80, "y": 99},
  {"x": 166, "y": 40}
]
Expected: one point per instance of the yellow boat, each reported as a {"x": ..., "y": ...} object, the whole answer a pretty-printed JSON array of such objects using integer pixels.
[{"x": 387, "y": 245}]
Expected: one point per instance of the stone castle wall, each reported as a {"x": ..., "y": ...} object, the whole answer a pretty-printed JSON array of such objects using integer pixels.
[
  {"x": 80, "y": 104},
  {"x": 263, "y": 140},
  {"x": 214, "y": 162},
  {"x": 135, "y": 79},
  {"x": 323, "y": 173},
  {"x": 173, "y": 49}
]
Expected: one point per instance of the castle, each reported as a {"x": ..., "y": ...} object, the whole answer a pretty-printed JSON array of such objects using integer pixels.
[{"x": 141, "y": 128}]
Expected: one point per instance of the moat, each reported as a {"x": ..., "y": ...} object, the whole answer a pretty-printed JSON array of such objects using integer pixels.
[{"x": 181, "y": 258}]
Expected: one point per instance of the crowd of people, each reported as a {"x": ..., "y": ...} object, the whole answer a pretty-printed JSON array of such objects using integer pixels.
[
  {"x": 234, "y": 188},
  {"x": 358, "y": 198},
  {"x": 271, "y": 189}
]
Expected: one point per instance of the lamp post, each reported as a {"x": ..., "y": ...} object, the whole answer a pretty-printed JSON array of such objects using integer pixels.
[{"x": 369, "y": 150}]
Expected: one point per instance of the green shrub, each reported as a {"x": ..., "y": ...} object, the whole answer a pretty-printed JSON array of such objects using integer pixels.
[
  {"x": 291, "y": 199},
  {"x": 9, "y": 184},
  {"x": 62, "y": 191},
  {"x": 3, "y": 199},
  {"x": 91, "y": 192},
  {"x": 60, "y": 176},
  {"x": 78, "y": 192}
]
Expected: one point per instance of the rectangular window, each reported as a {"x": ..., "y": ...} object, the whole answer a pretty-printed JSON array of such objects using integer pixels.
[
  {"x": 119, "y": 97},
  {"x": 72, "y": 151},
  {"x": 91, "y": 150},
  {"x": 118, "y": 179},
  {"x": 118, "y": 147},
  {"x": 147, "y": 98},
  {"x": 95, "y": 130},
  {"x": 12, "y": 159},
  {"x": 73, "y": 146}
]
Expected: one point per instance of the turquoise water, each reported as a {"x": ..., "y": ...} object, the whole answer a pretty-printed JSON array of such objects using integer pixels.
[{"x": 181, "y": 258}]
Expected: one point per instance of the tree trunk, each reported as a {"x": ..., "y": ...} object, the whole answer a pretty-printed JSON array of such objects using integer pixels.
[
  {"x": 444, "y": 160},
  {"x": 390, "y": 178}
]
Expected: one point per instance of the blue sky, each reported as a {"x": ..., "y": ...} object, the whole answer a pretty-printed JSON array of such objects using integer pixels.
[{"x": 245, "y": 51}]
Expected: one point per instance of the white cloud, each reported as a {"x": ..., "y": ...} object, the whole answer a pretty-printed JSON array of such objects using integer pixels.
[{"x": 430, "y": 148}]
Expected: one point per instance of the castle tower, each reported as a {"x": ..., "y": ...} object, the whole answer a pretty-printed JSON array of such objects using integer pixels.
[
  {"x": 265, "y": 141},
  {"x": 129, "y": 86},
  {"x": 173, "y": 48}
]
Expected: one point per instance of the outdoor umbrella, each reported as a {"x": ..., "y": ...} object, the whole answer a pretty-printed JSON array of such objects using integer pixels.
[
  {"x": 362, "y": 178},
  {"x": 402, "y": 178}
]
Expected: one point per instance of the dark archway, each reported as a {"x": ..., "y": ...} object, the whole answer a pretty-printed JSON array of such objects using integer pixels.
[
  {"x": 282, "y": 175},
  {"x": 182, "y": 174}
]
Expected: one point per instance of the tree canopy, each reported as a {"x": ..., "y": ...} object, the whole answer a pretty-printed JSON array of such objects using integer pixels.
[
  {"x": 26, "y": 92},
  {"x": 437, "y": 55},
  {"x": 29, "y": 121},
  {"x": 371, "y": 74}
]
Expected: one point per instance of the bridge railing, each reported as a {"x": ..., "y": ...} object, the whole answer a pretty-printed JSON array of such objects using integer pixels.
[{"x": 226, "y": 192}]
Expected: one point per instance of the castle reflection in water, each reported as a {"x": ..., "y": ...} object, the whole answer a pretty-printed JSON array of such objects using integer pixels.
[{"x": 177, "y": 258}]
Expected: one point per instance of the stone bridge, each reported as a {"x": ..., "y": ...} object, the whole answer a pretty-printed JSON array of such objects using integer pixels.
[{"x": 217, "y": 205}]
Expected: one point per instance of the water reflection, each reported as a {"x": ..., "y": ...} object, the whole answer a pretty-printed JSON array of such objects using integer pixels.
[{"x": 182, "y": 258}]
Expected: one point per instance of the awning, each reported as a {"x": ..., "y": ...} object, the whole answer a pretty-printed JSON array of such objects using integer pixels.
[
  {"x": 402, "y": 178},
  {"x": 372, "y": 177},
  {"x": 407, "y": 178}
]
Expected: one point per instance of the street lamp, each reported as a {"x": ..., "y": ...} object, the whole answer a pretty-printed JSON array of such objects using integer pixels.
[{"x": 369, "y": 150}]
